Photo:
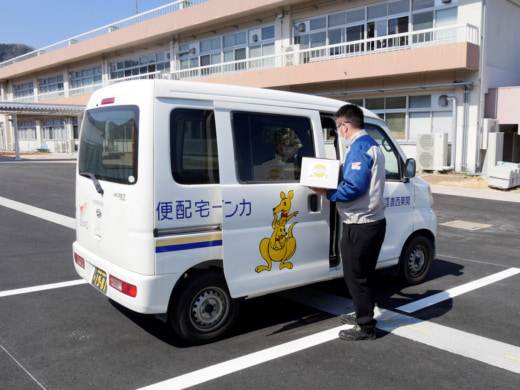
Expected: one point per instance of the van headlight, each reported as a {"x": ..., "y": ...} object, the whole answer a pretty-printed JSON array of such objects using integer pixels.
[{"x": 431, "y": 196}]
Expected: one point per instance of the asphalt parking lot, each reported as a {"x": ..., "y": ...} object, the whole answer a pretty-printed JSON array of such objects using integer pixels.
[{"x": 459, "y": 329}]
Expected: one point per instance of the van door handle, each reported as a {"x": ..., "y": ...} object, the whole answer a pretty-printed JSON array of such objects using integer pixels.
[{"x": 313, "y": 202}]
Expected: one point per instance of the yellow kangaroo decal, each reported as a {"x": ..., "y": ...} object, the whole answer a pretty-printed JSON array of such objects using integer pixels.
[{"x": 281, "y": 245}]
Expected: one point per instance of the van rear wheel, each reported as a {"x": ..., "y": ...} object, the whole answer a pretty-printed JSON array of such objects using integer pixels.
[
  {"x": 203, "y": 310},
  {"x": 416, "y": 260}
]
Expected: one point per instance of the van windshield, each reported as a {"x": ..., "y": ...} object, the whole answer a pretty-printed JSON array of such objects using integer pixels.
[{"x": 108, "y": 144}]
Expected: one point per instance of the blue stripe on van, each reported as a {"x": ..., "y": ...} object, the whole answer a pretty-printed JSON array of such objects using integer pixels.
[{"x": 182, "y": 247}]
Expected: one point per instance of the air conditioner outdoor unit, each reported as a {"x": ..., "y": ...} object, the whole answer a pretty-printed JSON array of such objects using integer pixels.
[
  {"x": 292, "y": 55},
  {"x": 432, "y": 151}
]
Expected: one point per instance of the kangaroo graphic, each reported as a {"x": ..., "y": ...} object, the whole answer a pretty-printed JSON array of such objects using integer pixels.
[{"x": 281, "y": 245}]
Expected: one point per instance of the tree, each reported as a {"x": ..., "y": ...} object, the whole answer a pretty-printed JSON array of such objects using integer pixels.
[{"x": 12, "y": 50}]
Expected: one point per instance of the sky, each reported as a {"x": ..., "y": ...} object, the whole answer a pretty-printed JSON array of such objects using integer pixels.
[{"x": 40, "y": 23}]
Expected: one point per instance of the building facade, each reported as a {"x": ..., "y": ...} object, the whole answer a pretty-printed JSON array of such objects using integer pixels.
[{"x": 440, "y": 72}]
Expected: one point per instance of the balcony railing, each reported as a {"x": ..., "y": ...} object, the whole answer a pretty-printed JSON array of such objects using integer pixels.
[
  {"x": 293, "y": 55},
  {"x": 139, "y": 18}
]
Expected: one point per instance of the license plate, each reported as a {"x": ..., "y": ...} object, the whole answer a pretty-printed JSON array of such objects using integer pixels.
[{"x": 99, "y": 280}]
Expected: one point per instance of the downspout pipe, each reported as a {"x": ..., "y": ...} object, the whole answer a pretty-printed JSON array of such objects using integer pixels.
[
  {"x": 443, "y": 102},
  {"x": 453, "y": 99}
]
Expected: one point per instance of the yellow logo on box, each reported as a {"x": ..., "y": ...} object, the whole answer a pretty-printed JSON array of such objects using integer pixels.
[
  {"x": 274, "y": 174},
  {"x": 319, "y": 171}
]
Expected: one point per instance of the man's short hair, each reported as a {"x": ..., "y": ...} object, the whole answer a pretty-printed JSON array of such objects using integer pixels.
[{"x": 353, "y": 114}]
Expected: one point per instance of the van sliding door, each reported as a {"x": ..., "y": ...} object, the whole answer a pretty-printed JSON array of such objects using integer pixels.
[{"x": 275, "y": 231}]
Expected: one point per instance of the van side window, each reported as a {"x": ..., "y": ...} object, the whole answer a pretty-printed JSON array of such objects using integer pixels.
[
  {"x": 270, "y": 147},
  {"x": 193, "y": 146},
  {"x": 392, "y": 164}
]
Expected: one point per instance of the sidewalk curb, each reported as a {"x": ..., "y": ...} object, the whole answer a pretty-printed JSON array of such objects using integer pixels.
[{"x": 475, "y": 193}]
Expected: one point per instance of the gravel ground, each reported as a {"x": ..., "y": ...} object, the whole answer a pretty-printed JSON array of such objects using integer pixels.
[{"x": 462, "y": 180}]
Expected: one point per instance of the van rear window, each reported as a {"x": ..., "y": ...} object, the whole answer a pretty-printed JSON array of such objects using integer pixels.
[{"x": 108, "y": 144}]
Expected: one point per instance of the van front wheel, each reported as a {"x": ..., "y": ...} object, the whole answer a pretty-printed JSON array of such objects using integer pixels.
[
  {"x": 416, "y": 260},
  {"x": 203, "y": 311}
]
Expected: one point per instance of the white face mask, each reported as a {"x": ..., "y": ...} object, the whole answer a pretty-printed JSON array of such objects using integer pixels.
[
  {"x": 287, "y": 154},
  {"x": 343, "y": 142}
]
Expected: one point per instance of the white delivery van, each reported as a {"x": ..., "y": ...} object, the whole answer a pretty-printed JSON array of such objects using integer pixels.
[{"x": 184, "y": 206}]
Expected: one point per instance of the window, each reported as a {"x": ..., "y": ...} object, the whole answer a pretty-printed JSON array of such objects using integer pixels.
[
  {"x": 27, "y": 130},
  {"x": 189, "y": 63},
  {"x": 86, "y": 77},
  {"x": 378, "y": 23},
  {"x": 24, "y": 90},
  {"x": 395, "y": 102},
  {"x": 398, "y": 26},
  {"x": 210, "y": 45},
  {"x": 193, "y": 146},
  {"x": 422, "y": 21},
  {"x": 421, "y": 101},
  {"x": 396, "y": 122},
  {"x": 54, "y": 129},
  {"x": 229, "y": 48},
  {"x": 146, "y": 64},
  {"x": 212, "y": 49},
  {"x": 421, "y": 4},
  {"x": 407, "y": 116},
  {"x": 374, "y": 30},
  {"x": 392, "y": 161},
  {"x": 337, "y": 19},
  {"x": 445, "y": 18},
  {"x": 377, "y": 11},
  {"x": 237, "y": 39},
  {"x": 109, "y": 144},
  {"x": 355, "y": 33},
  {"x": 267, "y": 33},
  {"x": 356, "y": 15},
  {"x": 375, "y": 103},
  {"x": 208, "y": 60},
  {"x": 51, "y": 84},
  {"x": 269, "y": 147},
  {"x": 398, "y": 7}
]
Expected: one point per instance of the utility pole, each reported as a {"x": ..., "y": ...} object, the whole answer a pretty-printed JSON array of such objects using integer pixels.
[{"x": 136, "y": 12}]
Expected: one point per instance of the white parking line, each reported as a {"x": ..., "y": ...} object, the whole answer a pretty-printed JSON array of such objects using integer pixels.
[
  {"x": 218, "y": 370},
  {"x": 43, "y": 287},
  {"x": 39, "y": 213},
  {"x": 22, "y": 367},
  {"x": 451, "y": 293},
  {"x": 465, "y": 344}
]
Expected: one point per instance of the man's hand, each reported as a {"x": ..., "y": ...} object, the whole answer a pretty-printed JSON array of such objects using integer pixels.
[{"x": 319, "y": 191}]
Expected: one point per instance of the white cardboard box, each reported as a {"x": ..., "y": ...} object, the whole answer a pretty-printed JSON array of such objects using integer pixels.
[{"x": 319, "y": 172}]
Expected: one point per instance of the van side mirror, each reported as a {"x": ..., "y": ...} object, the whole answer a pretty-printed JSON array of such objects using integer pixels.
[{"x": 409, "y": 170}]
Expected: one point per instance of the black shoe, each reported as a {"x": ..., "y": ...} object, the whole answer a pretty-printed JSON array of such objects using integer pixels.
[
  {"x": 349, "y": 319},
  {"x": 357, "y": 333}
]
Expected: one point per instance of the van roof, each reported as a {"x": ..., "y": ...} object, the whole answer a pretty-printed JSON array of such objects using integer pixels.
[{"x": 230, "y": 93}]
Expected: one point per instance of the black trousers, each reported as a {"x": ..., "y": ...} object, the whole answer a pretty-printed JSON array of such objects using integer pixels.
[{"x": 360, "y": 247}]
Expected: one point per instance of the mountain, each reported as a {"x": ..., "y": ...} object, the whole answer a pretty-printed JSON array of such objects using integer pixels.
[{"x": 11, "y": 50}]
